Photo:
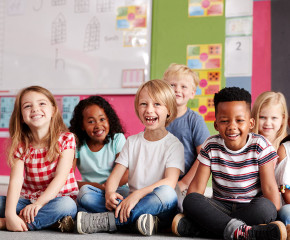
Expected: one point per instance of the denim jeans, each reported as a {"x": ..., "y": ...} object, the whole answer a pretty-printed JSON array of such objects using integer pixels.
[
  {"x": 92, "y": 199},
  {"x": 49, "y": 214},
  {"x": 222, "y": 218},
  {"x": 161, "y": 202},
  {"x": 284, "y": 214}
]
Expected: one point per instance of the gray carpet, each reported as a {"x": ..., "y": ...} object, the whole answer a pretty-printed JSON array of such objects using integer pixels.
[
  {"x": 54, "y": 235},
  {"x": 49, "y": 235}
]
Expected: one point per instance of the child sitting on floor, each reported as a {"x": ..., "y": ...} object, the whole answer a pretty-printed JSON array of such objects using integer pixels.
[{"x": 245, "y": 193}]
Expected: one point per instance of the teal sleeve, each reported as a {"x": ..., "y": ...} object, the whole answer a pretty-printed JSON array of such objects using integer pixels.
[{"x": 119, "y": 140}]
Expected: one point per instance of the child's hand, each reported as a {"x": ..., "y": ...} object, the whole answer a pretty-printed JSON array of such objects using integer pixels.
[
  {"x": 125, "y": 207},
  {"x": 112, "y": 200},
  {"x": 29, "y": 212},
  {"x": 16, "y": 224},
  {"x": 182, "y": 186}
]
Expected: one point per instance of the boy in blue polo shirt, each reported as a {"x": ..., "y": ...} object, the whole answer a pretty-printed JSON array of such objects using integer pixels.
[{"x": 189, "y": 127}]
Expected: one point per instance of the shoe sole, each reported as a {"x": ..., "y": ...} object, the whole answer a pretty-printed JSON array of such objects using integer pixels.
[
  {"x": 282, "y": 229},
  {"x": 145, "y": 224},
  {"x": 79, "y": 226},
  {"x": 175, "y": 222}
]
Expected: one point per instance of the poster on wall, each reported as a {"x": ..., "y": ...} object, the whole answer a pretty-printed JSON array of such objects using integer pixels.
[
  {"x": 205, "y": 8},
  {"x": 238, "y": 56},
  {"x": 206, "y": 61}
]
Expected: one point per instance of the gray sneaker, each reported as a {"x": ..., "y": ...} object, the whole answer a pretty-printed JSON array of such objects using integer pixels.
[
  {"x": 96, "y": 222},
  {"x": 147, "y": 224}
]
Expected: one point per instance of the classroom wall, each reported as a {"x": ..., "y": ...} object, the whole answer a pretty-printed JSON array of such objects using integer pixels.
[
  {"x": 280, "y": 47},
  {"x": 261, "y": 78}
]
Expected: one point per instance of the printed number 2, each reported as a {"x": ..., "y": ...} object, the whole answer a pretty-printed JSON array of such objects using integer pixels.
[{"x": 239, "y": 44}]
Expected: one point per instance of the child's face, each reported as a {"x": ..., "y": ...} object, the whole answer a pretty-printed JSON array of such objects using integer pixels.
[
  {"x": 36, "y": 110},
  {"x": 96, "y": 124},
  {"x": 183, "y": 88},
  {"x": 270, "y": 120},
  {"x": 153, "y": 114},
  {"x": 233, "y": 121}
]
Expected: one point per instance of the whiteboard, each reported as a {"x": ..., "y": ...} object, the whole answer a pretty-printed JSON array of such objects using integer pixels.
[{"x": 75, "y": 46}]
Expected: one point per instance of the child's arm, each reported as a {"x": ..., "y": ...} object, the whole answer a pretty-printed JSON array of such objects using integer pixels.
[
  {"x": 124, "y": 179},
  {"x": 282, "y": 154},
  {"x": 124, "y": 208},
  {"x": 62, "y": 171},
  {"x": 269, "y": 185},
  {"x": 187, "y": 178},
  {"x": 75, "y": 163},
  {"x": 14, "y": 222},
  {"x": 200, "y": 179},
  {"x": 112, "y": 185}
]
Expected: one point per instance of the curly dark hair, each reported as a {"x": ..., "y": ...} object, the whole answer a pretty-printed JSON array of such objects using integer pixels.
[
  {"x": 230, "y": 94},
  {"x": 77, "y": 119}
]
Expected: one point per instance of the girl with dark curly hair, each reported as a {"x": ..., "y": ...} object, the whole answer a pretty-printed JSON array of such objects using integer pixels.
[{"x": 100, "y": 140}]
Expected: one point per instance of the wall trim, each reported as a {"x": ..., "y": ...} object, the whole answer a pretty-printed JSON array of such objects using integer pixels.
[{"x": 4, "y": 179}]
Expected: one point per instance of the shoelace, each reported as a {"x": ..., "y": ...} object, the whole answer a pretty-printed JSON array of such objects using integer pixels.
[{"x": 97, "y": 222}]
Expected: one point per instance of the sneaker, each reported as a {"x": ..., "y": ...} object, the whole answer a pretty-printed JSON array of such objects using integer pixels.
[
  {"x": 183, "y": 227},
  {"x": 272, "y": 231},
  {"x": 147, "y": 224},
  {"x": 96, "y": 222},
  {"x": 288, "y": 231},
  {"x": 66, "y": 224}
]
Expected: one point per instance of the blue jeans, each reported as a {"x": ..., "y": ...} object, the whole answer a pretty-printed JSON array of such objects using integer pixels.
[
  {"x": 161, "y": 202},
  {"x": 49, "y": 214},
  {"x": 92, "y": 199},
  {"x": 222, "y": 218},
  {"x": 284, "y": 214}
]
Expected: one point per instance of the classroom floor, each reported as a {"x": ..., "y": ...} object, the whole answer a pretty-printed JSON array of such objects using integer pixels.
[{"x": 50, "y": 234}]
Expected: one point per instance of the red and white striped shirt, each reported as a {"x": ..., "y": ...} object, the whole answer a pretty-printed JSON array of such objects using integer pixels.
[{"x": 39, "y": 172}]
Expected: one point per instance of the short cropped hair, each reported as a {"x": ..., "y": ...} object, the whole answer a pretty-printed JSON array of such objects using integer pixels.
[
  {"x": 231, "y": 94},
  {"x": 160, "y": 91},
  {"x": 176, "y": 70}
]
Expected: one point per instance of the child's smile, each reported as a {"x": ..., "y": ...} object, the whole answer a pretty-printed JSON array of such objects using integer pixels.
[
  {"x": 96, "y": 124},
  {"x": 270, "y": 121},
  {"x": 234, "y": 123},
  {"x": 152, "y": 113},
  {"x": 36, "y": 110}
]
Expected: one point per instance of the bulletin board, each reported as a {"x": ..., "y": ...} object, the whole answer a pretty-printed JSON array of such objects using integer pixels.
[
  {"x": 75, "y": 47},
  {"x": 185, "y": 39}
]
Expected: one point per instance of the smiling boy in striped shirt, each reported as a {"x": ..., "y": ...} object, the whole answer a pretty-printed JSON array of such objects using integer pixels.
[{"x": 245, "y": 193}]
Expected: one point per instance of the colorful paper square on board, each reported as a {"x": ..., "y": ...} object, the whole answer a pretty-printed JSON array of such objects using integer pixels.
[
  {"x": 131, "y": 17},
  {"x": 203, "y": 105},
  {"x": 204, "y": 56},
  {"x": 205, "y": 8},
  {"x": 135, "y": 38},
  {"x": 209, "y": 82}
]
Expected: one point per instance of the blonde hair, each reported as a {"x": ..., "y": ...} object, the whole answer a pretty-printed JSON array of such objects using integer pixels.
[
  {"x": 266, "y": 99},
  {"x": 161, "y": 91},
  {"x": 21, "y": 135},
  {"x": 178, "y": 70}
]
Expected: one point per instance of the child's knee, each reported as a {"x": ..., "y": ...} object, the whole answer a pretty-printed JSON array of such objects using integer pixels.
[
  {"x": 166, "y": 194},
  {"x": 67, "y": 206},
  {"x": 85, "y": 191},
  {"x": 89, "y": 195},
  {"x": 192, "y": 199}
]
